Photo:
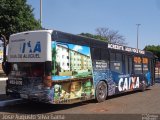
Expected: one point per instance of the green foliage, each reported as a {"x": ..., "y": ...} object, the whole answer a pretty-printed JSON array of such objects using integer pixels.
[
  {"x": 98, "y": 37},
  {"x": 154, "y": 49},
  {"x": 107, "y": 35},
  {"x": 112, "y": 36},
  {"x": 16, "y": 16}
]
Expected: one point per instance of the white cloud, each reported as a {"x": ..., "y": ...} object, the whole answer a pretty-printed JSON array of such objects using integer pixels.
[{"x": 77, "y": 48}]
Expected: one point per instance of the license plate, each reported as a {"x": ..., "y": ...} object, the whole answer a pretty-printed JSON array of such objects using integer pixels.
[
  {"x": 15, "y": 82},
  {"x": 24, "y": 96}
]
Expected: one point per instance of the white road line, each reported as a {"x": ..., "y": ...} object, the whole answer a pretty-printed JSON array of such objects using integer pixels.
[
  {"x": 10, "y": 102},
  {"x": 3, "y": 79}
]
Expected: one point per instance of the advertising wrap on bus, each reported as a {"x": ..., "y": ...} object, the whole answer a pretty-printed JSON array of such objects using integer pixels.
[
  {"x": 57, "y": 68},
  {"x": 71, "y": 72},
  {"x": 29, "y": 47}
]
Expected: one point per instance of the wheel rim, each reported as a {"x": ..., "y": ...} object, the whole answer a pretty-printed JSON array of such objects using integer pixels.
[{"x": 102, "y": 91}]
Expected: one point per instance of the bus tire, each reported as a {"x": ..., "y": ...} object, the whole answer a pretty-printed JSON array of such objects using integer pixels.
[
  {"x": 101, "y": 91},
  {"x": 143, "y": 86}
]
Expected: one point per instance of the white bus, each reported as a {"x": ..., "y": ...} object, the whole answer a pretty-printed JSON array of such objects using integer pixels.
[{"x": 56, "y": 67}]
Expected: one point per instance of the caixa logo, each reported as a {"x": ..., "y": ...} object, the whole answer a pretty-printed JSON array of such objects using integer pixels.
[{"x": 27, "y": 47}]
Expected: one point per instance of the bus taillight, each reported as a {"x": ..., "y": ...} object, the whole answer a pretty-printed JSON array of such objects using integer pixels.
[
  {"x": 47, "y": 81},
  {"x": 48, "y": 78}
]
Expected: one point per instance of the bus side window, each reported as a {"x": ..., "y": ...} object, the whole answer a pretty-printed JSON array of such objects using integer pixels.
[
  {"x": 104, "y": 54},
  {"x": 96, "y": 53},
  {"x": 112, "y": 60},
  {"x": 126, "y": 62},
  {"x": 119, "y": 62},
  {"x": 116, "y": 62},
  {"x": 137, "y": 65},
  {"x": 112, "y": 56},
  {"x": 130, "y": 65},
  {"x": 145, "y": 65}
]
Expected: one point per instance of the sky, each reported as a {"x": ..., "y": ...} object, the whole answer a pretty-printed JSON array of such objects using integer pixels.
[{"x": 77, "y": 16}]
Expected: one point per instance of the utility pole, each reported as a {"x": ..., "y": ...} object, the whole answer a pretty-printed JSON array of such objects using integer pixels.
[
  {"x": 138, "y": 34},
  {"x": 41, "y": 12}
]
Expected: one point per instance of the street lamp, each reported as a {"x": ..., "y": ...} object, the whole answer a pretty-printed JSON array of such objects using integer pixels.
[
  {"x": 41, "y": 12},
  {"x": 137, "y": 33}
]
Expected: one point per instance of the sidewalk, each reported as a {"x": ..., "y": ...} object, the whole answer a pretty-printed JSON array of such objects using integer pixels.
[{"x": 3, "y": 77}]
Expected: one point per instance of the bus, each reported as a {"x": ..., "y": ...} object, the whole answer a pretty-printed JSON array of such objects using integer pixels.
[{"x": 59, "y": 68}]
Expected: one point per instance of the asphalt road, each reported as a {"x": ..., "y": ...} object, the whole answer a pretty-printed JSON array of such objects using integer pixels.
[
  {"x": 139, "y": 103},
  {"x": 2, "y": 87}
]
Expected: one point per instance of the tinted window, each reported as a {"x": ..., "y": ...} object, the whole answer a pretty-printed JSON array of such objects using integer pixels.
[
  {"x": 145, "y": 65},
  {"x": 96, "y": 53},
  {"x": 116, "y": 62},
  {"x": 104, "y": 54},
  {"x": 137, "y": 65},
  {"x": 126, "y": 65},
  {"x": 130, "y": 65}
]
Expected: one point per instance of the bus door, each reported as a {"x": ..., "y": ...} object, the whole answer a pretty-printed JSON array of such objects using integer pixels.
[{"x": 152, "y": 68}]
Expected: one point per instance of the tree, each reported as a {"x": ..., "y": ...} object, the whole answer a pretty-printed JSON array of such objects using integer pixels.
[
  {"x": 111, "y": 35},
  {"x": 16, "y": 16},
  {"x": 94, "y": 36},
  {"x": 107, "y": 35},
  {"x": 154, "y": 49}
]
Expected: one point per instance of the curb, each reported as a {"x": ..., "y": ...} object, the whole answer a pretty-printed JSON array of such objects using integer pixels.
[{"x": 3, "y": 79}]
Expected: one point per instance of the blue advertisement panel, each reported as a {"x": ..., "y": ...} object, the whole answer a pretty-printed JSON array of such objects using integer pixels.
[{"x": 101, "y": 71}]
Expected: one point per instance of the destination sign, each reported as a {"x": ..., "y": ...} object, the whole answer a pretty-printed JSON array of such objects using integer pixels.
[{"x": 125, "y": 48}]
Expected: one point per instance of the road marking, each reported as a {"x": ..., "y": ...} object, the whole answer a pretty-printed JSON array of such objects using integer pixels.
[
  {"x": 3, "y": 79},
  {"x": 10, "y": 102}
]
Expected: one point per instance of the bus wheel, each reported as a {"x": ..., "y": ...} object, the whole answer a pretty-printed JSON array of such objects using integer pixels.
[
  {"x": 143, "y": 86},
  {"x": 101, "y": 91}
]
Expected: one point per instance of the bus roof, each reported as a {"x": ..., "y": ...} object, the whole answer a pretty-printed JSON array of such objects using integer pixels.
[
  {"x": 78, "y": 39},
  {"x": 60, "y": 36},
  {"x": 26, "y": 32}
]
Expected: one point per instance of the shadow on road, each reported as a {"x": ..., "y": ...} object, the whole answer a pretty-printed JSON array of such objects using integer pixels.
[
  {"x": 4, "y": 97},
  {"x": 41, "y": 108},
  {"x": 127, "y": 93}
]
